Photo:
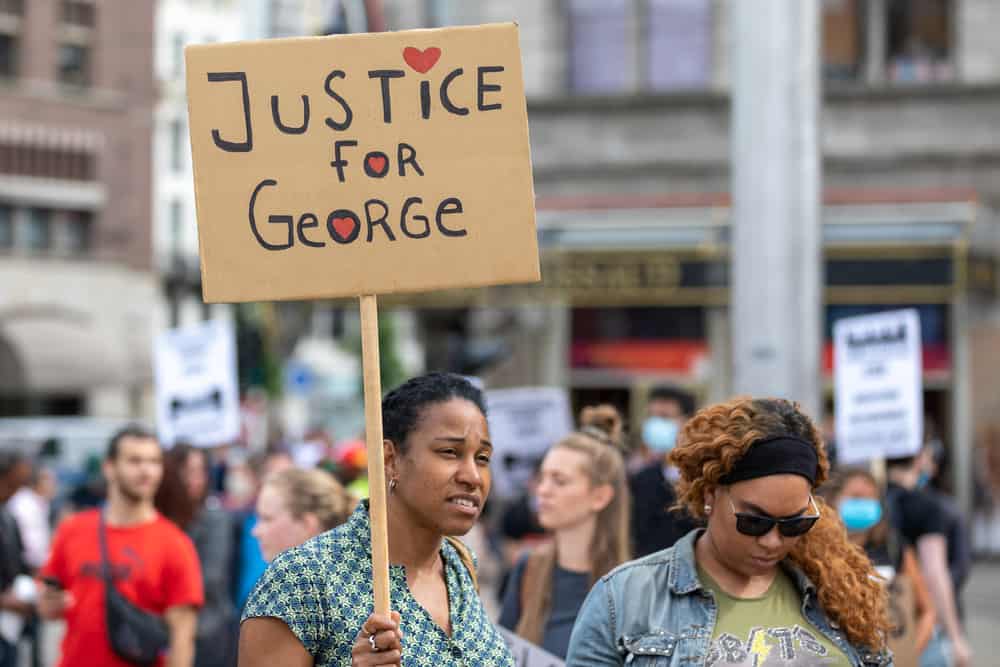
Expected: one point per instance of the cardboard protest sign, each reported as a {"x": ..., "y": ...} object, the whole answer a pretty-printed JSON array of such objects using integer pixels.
[
  {"x": 361, "y": 164},
  {"x": 524, "y": 423},
  {"x": 878, "y": 373},
  {"x": 197, "y": 399}
]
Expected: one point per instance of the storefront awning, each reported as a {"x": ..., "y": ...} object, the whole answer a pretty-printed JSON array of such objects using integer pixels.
[{"x": 61, "y": 355}]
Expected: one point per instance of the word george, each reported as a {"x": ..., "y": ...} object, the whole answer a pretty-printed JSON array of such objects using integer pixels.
[{"x": 344, "y": 226}]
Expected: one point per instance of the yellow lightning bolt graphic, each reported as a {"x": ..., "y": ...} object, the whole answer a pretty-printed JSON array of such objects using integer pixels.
[{"x": 759, "y": 648}]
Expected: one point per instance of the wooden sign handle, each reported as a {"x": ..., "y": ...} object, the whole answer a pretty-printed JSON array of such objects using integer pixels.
[{"x": 376, "y": 464}]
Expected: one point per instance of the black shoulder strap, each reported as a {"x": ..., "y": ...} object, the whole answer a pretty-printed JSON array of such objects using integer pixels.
[
  {"x": 105, "y": 559},
  {"x": 894, "y": 545}
]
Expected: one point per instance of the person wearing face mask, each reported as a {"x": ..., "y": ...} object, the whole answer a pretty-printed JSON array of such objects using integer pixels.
[
  {"x": 654, "y": 525},
  {"x": 856, "y": 495},
  {"x": 771, "y": 580}
]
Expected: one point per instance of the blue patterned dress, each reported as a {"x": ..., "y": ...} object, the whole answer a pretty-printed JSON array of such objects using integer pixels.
[{"x": 323, "y": 591}]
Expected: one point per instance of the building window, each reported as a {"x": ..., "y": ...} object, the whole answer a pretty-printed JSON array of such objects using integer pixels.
[
  {"x": 8, "y": 55},
  {"x": 843, "y": 40},
  {"x": 78, "y": 230},
  {"x": 176, "y": 228},
  {"x": 177, "y": 146},
  {"x": 78, "y": 13},
  {"x": 38, "y": 231},
  {"x": 602, "y": 59},
  {"x": 617, "y": 46},
  {"x": 47, "y": 161},
  {"x": 678, "y": 44},
  {"x": 900, "y": 41},
  {"x": 6, "y": 228},
  {"x": 177, "y": 54},
  {"x": 15, "y": 7},
  {"x": 11, "y": 12},
  {"x": 74, "y": 64},
  {"x": 920, "y": 40}
]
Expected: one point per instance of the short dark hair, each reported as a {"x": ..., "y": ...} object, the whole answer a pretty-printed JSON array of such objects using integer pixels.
[
  {"x": 130, "y": 431},
  {"x": 10, "y": 458},
  {"x": 900, "y": 461},
  {"x": 402, "y": 407},
  {"x": 683, "y": 398}
]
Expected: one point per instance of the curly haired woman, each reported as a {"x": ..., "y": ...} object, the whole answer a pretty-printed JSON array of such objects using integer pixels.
[{"x": 771, "y": 581}]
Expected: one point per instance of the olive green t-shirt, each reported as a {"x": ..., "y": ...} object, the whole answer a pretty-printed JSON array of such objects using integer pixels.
[{"x": 769, "y": 631}]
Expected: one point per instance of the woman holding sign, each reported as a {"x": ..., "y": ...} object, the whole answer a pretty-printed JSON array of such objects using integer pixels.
[
  {"x": 313, "y": 605},
  {"x": 772, "y": 580}
]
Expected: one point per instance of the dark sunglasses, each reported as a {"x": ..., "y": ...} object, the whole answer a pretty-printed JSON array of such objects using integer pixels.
[{"x": 756, "y": 525}]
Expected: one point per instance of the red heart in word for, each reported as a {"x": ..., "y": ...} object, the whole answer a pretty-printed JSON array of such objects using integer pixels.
[
  {"x": 377, "y": 163},
  {"x": 344, "y": 227},
  {"x": 419, "y": 60}
]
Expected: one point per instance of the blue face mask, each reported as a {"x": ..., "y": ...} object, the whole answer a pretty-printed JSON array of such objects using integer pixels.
[
  {"x": 860, "y": 514},
  {"x": 923, "y": 480},
  {"x": 659, "y": 434}
]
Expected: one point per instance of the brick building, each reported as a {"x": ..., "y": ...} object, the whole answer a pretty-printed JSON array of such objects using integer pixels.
[{"x": 76, "y": 281}]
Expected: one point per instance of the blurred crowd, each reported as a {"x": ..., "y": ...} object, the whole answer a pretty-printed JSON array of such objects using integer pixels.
[{"x": 601, "y": 496}]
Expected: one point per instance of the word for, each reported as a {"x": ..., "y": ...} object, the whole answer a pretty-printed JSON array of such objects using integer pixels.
[
  {"x": 344, "y": 226},
  {"x": 375, "y": 163}
]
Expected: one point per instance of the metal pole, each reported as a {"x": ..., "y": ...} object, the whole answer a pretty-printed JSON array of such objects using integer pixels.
[
  {"x": 963, "y": 465},
  {"x": 776, "y": 184}
]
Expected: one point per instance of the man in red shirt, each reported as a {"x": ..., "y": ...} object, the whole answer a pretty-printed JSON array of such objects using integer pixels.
[{"x": 153, "y": 563}]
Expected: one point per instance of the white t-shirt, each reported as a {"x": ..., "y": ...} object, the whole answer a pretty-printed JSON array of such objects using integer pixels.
[{"x": 31, "y": 511}]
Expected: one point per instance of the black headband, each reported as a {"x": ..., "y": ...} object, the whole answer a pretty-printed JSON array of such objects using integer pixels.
[{"x": 777, "y": 455}]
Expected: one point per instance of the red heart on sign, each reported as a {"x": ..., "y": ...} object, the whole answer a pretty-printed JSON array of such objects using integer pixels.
[
  {"x": 419, "y": 60},
  {"x": 377, "y": 163},
  {"x": 344, "y": 227}
]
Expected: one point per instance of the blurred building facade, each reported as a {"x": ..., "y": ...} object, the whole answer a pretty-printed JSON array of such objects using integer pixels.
[
  {"x": 175, "y": 240},
  {"x": 629, "y": 119},
  {"x": 76, "y": 276}
]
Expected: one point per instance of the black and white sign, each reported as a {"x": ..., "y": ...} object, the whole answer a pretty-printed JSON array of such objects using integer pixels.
[
  {"x": 527, "y": 654},
  {"x": 878, "y": 374},
  {"x": 524, "y": 423},
  {"x": 197, "y": 399}
]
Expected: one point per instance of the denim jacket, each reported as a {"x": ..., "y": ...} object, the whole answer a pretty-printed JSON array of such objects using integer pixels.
[{"x": 655, "y": 612}]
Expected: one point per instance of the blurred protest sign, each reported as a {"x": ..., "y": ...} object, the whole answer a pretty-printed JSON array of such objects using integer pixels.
[
  {"x": 357, "y": 165},
  {"x": 361, "y": 164},
  {"x": 197, "y": 400},
  {"x": 879, "y": 390},
  {"x": 524, "y": 423},
  {"x": 527, "y": 654}
]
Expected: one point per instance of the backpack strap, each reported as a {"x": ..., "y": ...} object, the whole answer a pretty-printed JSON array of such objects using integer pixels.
[{"x": 466, "y": 557}]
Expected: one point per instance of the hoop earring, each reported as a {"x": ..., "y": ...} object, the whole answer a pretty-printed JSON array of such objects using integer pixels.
[{"x": 392, "y": 485}]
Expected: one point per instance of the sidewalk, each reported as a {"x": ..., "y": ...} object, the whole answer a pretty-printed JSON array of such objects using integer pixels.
[{"x": 982, "y": 613}]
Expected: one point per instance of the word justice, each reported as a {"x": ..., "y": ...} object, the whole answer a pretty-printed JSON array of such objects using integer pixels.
[
  {"x": 344, "y": 226},
  {"x": 483, "y": 89}
]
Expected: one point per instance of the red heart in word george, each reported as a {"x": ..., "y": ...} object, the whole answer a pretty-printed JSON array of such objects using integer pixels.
[
  {"x": 344, "y": 227},
  {"x": 419, "y": 60},
  {"x": 377, "y": 163}
]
